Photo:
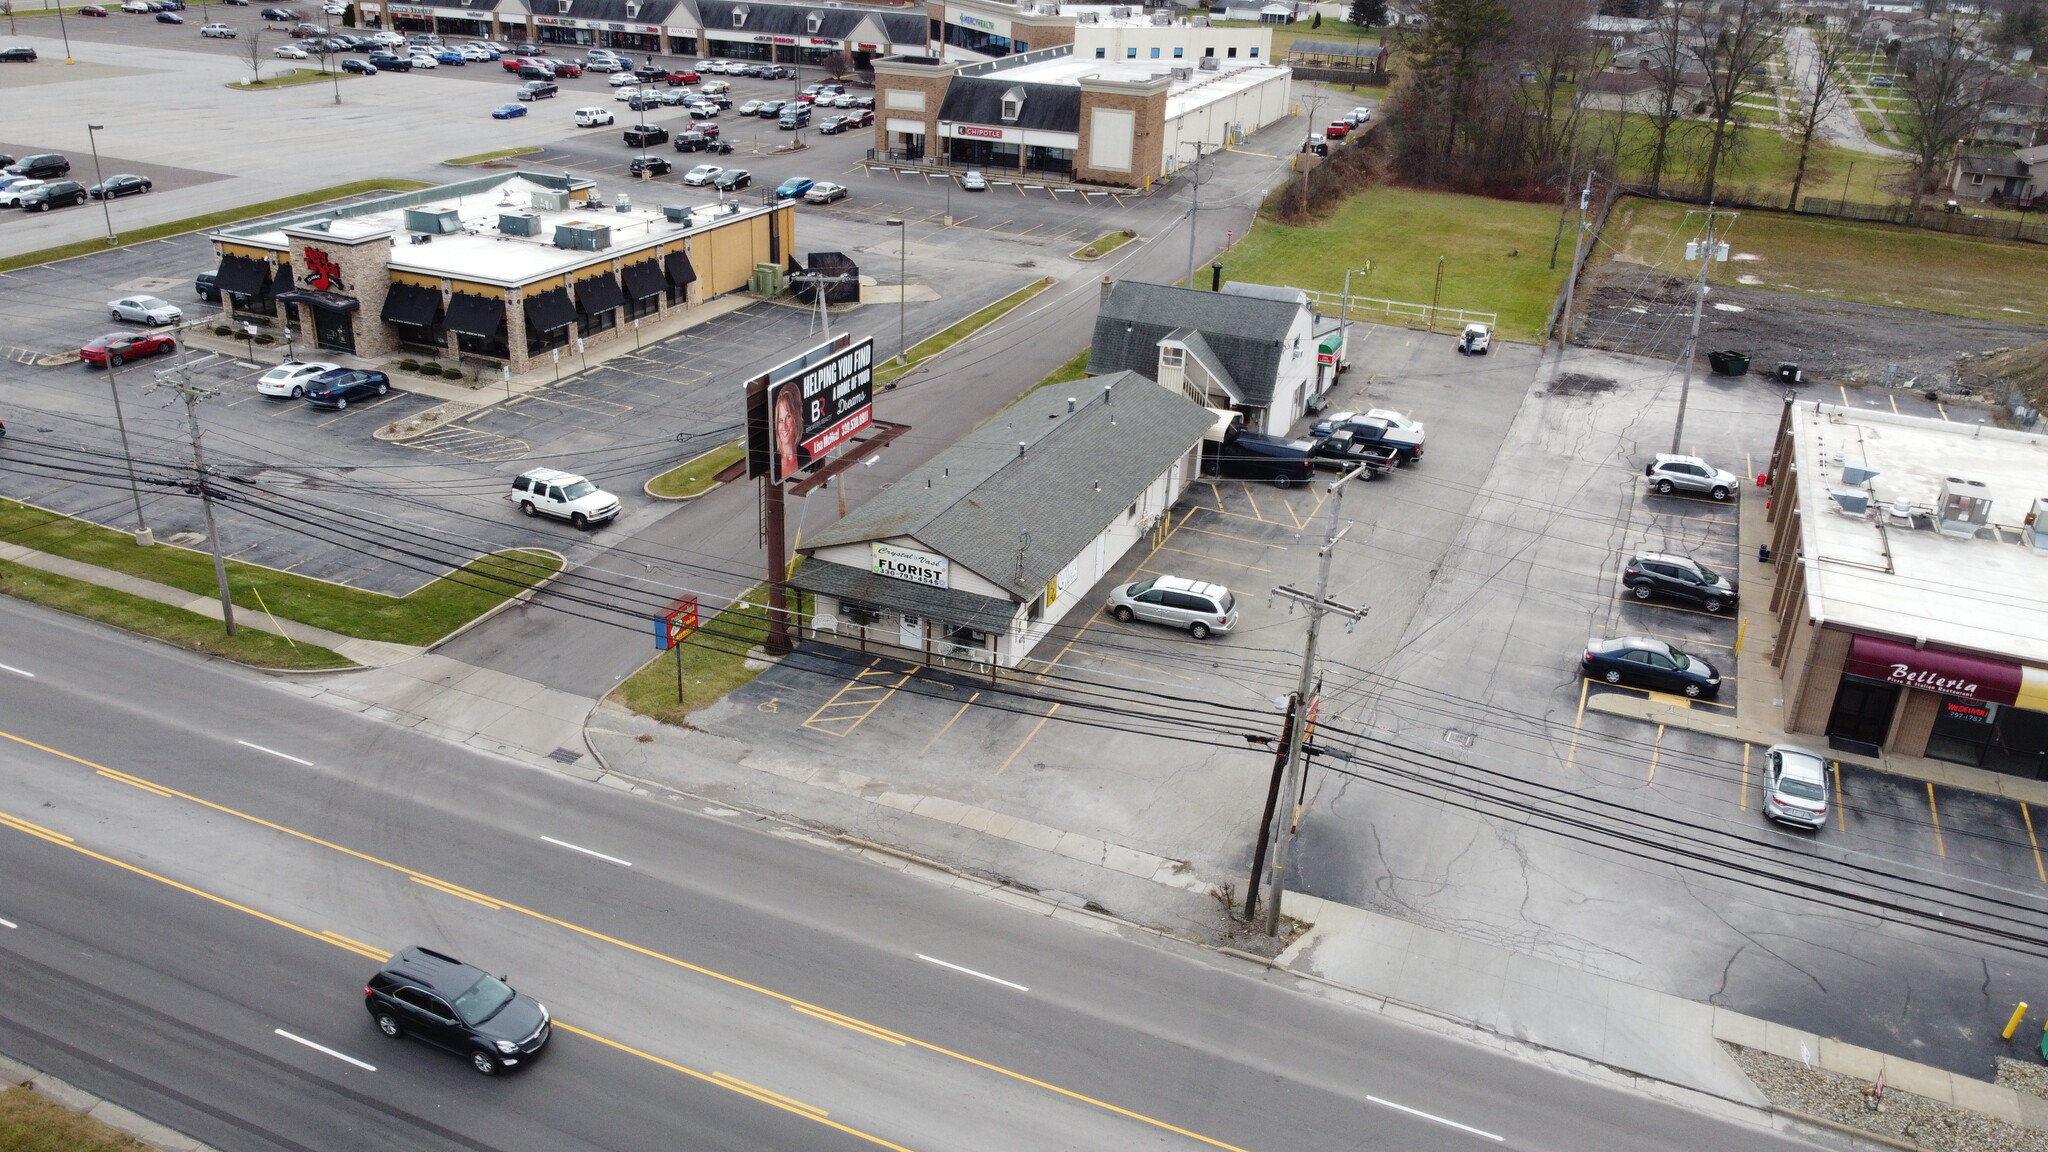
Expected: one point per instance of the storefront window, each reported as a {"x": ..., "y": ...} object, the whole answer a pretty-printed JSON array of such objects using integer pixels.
[
  {"x": 594, "y": 323},
  {"x": 1995, "y": 736},
  {"x": 538, "y": 342},
  {"x": 493, "y": 345},
  {"x": 860, "y": 614},
  {"x": 966, "y": 637},
  {"x": 1962, "y": 730},
  {"x": 645, "y": 306},
  {"x": 448, "y": 26},
  {"x": 554, "y": 34}
]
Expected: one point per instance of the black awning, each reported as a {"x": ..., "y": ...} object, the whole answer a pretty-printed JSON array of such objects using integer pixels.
[
  {"x": 643, "y": 280},
  {"x": 680, "y": 273},
  {"x": 412, "y": 305},
  {"x": 598, "y": 294},
  {"x": 475, "y": 315},
  {"x": 326, "y": 301},
  {"x": 242, "y": 275},
  {"x": 549, "y": 310}
]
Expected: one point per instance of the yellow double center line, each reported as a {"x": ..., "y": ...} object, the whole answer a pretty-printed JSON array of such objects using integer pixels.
[{"x": 439, "y": 885}]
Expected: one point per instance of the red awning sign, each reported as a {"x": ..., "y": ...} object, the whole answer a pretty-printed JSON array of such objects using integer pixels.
[{"x": 1934, "y": 670}]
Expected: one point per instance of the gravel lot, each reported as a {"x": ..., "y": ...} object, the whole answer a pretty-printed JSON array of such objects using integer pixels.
[{"x": 1833, "y": 1096}]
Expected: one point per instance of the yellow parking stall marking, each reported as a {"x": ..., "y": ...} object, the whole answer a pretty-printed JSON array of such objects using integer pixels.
[
  {"x": 1939, "y": 407},
  {"x": 1841, "y": 816},
  {"x": 2029, "y": 818},
  {"x": 1743, "y": 800},
  {"x": 1217, "y": 493},
  {"x": 1933, "y": 812},
  {"x": 1140, "y": 665},
  {"x": 1671, "y": 698},
  {"x": 962, "y": 222},
  {"x": 1895, "y": 404},
  {"x": 1214, "y": 559},
  {"x": 857, "y": 699},
  {"x": 1688, "y": 641},
  {"x": 1656, "y": 751},
  {"x": 1578, "y": 722},
  {"x": 1844, "y": 389},
  {"x": 1027, "y": 739},
  {"x": 1253, "y": 501},
  {"x": 949, "y": 725}
]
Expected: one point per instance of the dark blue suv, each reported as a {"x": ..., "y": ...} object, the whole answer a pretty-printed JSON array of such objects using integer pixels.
[
  {"x": 457, "y": 1006},
  {"x": 335, "y": 389}
]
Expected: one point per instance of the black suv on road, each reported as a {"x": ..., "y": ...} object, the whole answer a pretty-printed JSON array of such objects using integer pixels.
[
  {"x": 459, "y": 1007},
  {"x": 1678, "y": 577}
]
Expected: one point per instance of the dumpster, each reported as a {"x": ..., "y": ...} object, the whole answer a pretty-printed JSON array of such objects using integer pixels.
[
  {"x": 1729, "y": 363},
  {"x": 1790, "y": 374}
]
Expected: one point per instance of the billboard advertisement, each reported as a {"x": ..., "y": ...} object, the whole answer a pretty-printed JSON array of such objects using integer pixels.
[{"x": 801, "y": 411}]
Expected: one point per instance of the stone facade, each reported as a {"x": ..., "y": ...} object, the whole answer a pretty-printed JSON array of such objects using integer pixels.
[{"x": 350, "y": 265}]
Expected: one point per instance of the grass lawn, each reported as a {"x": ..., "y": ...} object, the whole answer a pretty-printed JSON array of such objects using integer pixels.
[
  {"x": 427, "y": 614},
  {"x": 211, "y": 220},
  {"x": 1284, "y": 35},
  {"x": 31, "y": 1123},
  {"x": 1761, "y": 169},
  {"x": 693, "y": 476},
  {"x": 487, "y": 157},
  {"x": 1847, "y": 260},
  {"x": 952, "y": 334},
  {"x": 1103, "y": 245},
  {"x": 1496, "y": 253},
  {"x": 174, "y": 625},
  {"x": 290, "y": 79},
  {"x": 714, "y": 660}
]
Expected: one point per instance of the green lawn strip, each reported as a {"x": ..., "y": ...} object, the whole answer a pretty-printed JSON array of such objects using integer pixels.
[
  {"x": 290, "y": 79},
  {"x": 1762, "y": 167},
  {"x": 1074, "y": 369},
  {"x": 1284, "y": 35},
  {"x": 1851, "y": 260},
  {"x": 1496, "y": 254},
  {"x": 1105, "y": 244},
  {"x": 426, "y": 615},
  {"x": 714, "y": 660},
  {"x": 694, "y": 475},
  {"x": 487, "y": 157},
  {"x": 32, "y": 1123},
  {"x": 163, "y": 621},
  {"x": 938, "y": 342},
  {"x": 211, "y": 220}
]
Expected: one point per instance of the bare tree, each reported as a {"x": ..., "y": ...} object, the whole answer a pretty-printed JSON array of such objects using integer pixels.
[
  {"x": 1734, "y": 43},
  {"x": 1666, "y": 50},
  {"x": 1946, "y": 83},
  {"x": 1823, "y": 57},
  {"x": 255, "y": 53},
  {"x": 1551, "y": 38}
]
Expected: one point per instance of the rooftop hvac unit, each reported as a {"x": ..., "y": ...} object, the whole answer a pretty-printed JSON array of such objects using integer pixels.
[
  {"x": 1162, "y": 19},
  {"x": 623, "y": 204},
  {"x": 1211, "y": 64},
  {"x": 1854, "y": 503},
  {"x": 548, "y": 200},
  {"x": 676, "y": 213},
  {"x": 1089, "y": 18},
  {"x": 1183, "y": 74},
  {"x": 2037, "y": 526},
  {"x": 519, "y": 223},
  {"x": 1120, "y": 13},
  {"x": 1965, "y": 507},
  {"x": 583, "y": 236},
  {"x": 434, "y": 221},
  {"x": 1851, "y": 474}
]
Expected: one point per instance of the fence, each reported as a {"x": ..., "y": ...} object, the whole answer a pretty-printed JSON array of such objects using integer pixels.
[
  {"x": 1936, "y": 218},
  {"x": 1428, "y": 315}
]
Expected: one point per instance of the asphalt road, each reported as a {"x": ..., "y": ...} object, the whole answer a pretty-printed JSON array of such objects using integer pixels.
[{"x": 170, "y": 927}]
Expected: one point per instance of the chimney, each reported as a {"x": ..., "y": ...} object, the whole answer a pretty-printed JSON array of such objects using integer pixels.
[{"x": 1105, "y": 289}]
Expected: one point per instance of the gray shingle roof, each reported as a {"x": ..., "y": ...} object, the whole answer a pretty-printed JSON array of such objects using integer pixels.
[
  {"x": 1078, "y": 473},
  {"x": 979, "y": 100},
  {"x": 1200, "y": 352},
  {"x": 611, "y": 11},
  {"x": 790, "y": 20},
  {"x": 847, "y": 583},
  {"x": 1246, "y": 333}
]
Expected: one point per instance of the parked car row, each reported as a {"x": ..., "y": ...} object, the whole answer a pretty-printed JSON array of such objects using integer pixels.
[{"x": 37, "y": 184}]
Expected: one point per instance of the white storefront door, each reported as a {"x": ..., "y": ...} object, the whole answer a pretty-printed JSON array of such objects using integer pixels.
[{"x": 913, "y": 632}]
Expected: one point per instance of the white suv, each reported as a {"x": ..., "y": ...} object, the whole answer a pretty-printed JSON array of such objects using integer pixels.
[
  {"x": 563, "y": 495},
  {"x": 593, "y": 117}
]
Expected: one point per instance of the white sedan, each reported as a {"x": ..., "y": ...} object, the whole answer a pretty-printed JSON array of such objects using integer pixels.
[
  {"x": 289, "y": 52},
  {"x": 289, "y": 378},
  {"x": 10, "y": 196},
  {"x": 335, "y": 9},
  {"x": 702, "y": 174},
  {"x": 422, "y": 60},
  {"x": 634, "y": 93},
  {"x": 620, "y": 79},
  {"x": 1398, "y": 422},
  {"x": 145, "y": 310}
]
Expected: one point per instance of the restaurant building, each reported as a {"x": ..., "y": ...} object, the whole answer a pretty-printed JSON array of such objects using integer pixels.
[
  {"x": 1911, "y": 559},
  {"x": 504, "y": 271}
]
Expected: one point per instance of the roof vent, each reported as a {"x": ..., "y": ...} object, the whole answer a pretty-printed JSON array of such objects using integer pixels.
[
  {"x": 1854, "y": 503},
  {"x": 1071, "y": 404},
  {"x": 1020, "y": 449},
  {"x": 1851, "y": 474}
]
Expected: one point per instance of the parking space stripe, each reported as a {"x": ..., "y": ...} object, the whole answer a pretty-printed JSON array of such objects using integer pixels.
[
  {"x": 1214, "y": 559},
  {"x": 949, "y": 725},
  {"x": 1841, "y": 806},
  {"x": 1932, "y": 811},
  {"x": 1742, "y": 800},
  {"x": 1027, "y": 739},
  {"x": 1253, "y": 501},
  {"x": 2029, "y": 818},
  {"x": 1656, "y": 752},
  {"x": 1578, "y": 723}
]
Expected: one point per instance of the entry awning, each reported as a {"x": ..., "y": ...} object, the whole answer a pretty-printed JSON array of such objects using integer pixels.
[
  {"x": 680, "y": 272},
  {"x": 1949, "y": 673},
  {"x": 242, "y": 275},
  {"x": 412, "y": 305},
  {"x": 599, "y": 294},
  {"x": 549, "y": 310},
  {"x": 475, "y": 315},
  {"x": 325, "y": 301},
  {"x": 951, "y": 605},
  {"x": 643, "y": 280}
]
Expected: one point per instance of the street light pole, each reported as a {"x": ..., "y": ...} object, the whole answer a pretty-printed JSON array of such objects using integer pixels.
[
  {"x": 902, "y": 290},
  {"x": 91, "y": 136},
  {"x": 66, "y": 32}
]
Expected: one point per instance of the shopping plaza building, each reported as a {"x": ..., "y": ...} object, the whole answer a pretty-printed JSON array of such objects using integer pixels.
[
  {"x": 732, "y": 29},
  {"x": 506, "y": 271},
  {"x": 1911, "y": 585}
]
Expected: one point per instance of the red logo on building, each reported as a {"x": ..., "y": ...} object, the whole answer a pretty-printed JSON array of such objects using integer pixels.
[
  {"x": 975, "y": 130},
  {"x": 322, "y": 272}
]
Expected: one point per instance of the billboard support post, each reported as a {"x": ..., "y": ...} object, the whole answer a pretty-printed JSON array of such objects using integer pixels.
[{"x": 777, "y": 642}]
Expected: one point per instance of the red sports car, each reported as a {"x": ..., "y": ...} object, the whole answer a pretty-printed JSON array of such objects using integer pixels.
[
  {"x": 117, "y": 347},
  {"x": 704, "y": 126}
]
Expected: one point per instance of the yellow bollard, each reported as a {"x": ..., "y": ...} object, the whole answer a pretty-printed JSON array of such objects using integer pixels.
[{"x": 2013, "y": 1025}]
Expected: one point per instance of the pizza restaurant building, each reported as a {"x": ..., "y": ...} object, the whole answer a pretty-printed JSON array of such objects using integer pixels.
[{"x": 1910, "y": 560}]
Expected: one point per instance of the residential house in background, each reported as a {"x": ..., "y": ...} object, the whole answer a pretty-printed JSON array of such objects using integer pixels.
[
  {"x": 1998, "y": 177},
  {"x": 2015, "y": 113}
]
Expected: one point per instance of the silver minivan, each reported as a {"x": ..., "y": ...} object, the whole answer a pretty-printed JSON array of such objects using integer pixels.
[
  {"x": 1202, "y": 609},
  {"x": 1796, "y": 786}
]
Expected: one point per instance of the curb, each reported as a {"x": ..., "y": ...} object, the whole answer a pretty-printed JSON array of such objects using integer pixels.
[
  {"x": 648, "y": 487},
  {"x": 123, "y": 1120},
  {"x": 1846, "y": 1129},
  {"x": 517, "y": 598}
]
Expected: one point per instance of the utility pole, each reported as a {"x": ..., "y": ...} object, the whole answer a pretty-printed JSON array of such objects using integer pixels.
[
  {"x": 1571, "y": 276},
  {"x": 142, "y": 534},
  {"x": 1707, "y": 250},
  {"x": 1297, "y": 716},
  {"x": 1194, "y": 206},
  {"x": 177, "y": 380}
]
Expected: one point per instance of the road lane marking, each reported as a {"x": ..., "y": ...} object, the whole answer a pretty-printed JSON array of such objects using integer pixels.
[
  {"x": 2029, "y": 818},
  {"x": 971, "y": 972},
  {"x": 588, "y": 852},
  {"x": 567, "y": 926},
  {"x": 758, "y": 1092},
  {"x": 1936, "y": 814},
  {"x": 17, "y": 671},
  {"x": 354, "y": 945},
  {"x": 8, "y": 924},
  {"x": 275, "y": 752},
  {"x": 868, "y": 1030},
  {"x": 132, "y": 782},
  {"x": 1480, "y": 1132},
  {"x": 343, "y": 1056},
  {"x": 451, "y": 890}
]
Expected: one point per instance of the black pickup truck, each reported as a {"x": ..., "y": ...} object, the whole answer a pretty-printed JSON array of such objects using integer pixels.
[
  {"x": 1375, "y": 431},
  {"x": 1344, "y": 451}
]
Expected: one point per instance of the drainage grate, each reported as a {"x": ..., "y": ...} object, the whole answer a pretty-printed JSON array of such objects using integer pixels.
[{"x": 565, "y": 755}]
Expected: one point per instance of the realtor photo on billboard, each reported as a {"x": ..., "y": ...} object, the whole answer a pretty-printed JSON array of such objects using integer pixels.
[{"x": 815, "y": 404}]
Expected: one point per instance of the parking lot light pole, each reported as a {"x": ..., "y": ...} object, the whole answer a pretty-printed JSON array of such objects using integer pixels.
[
  {"x": 105, "y": 211},
  {"x": 902, "y": 289},
  {"x": 66, "y": 33}
]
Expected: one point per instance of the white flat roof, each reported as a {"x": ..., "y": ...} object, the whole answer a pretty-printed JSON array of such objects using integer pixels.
[
  {"x": 1198, "y": 89},
  {"x": 480, "y": 252},
  {"x": 1875, "y": 572}
]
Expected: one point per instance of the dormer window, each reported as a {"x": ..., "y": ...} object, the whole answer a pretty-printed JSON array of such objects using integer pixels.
[
  {"x": 1013, "y": 105},
  {"x": 563, "y": 7},
  {"x": 1172, "y": 356},
  {"x": 813, "y": 22},
  {"x": 632, "y": 9},
  {"x": 739, "y": 17}
]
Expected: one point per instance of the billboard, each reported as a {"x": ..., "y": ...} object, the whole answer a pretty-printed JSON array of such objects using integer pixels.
[{"x": 799, "y": 412}]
